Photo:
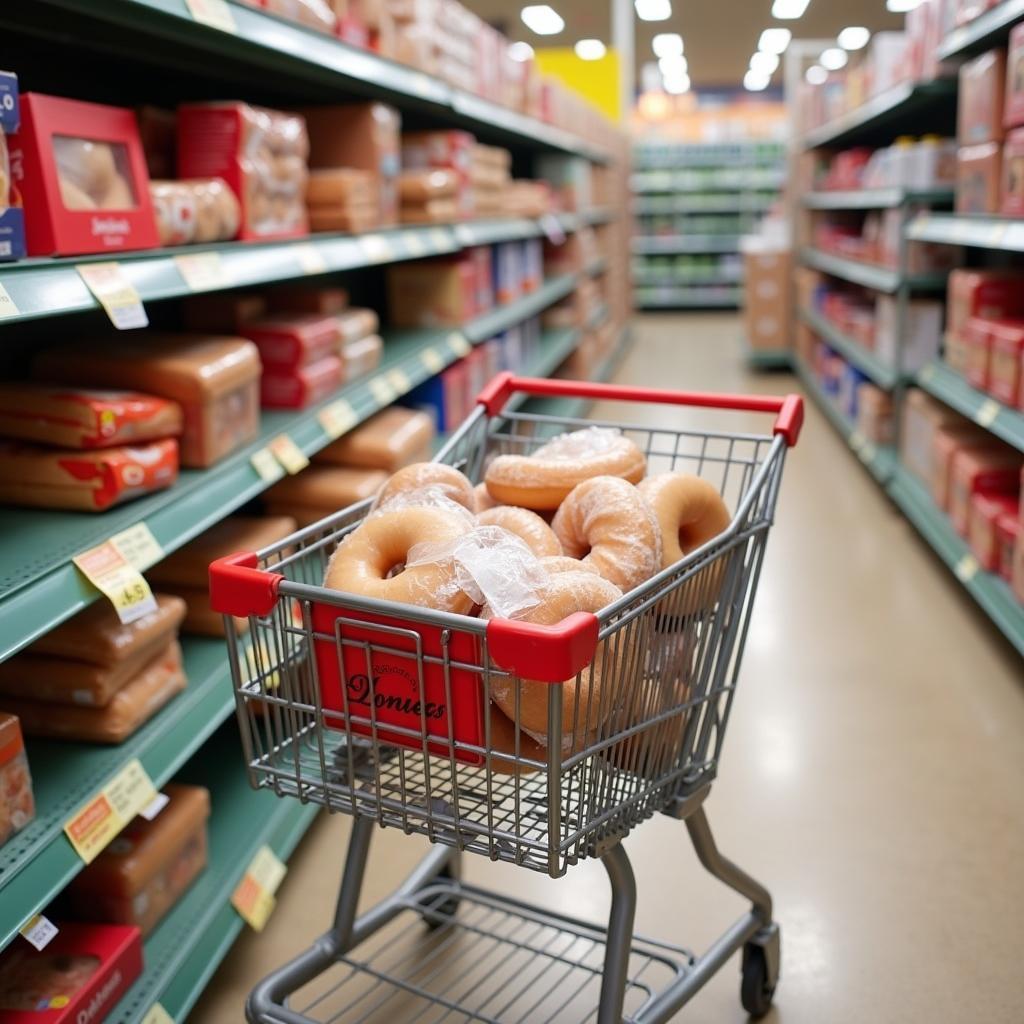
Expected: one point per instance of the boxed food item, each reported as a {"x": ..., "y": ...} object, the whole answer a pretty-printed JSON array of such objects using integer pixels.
[
  {"x": 946, "y": 442},
  {"x": 357, "y": 323},
  {"x": 355, "y": 220},
  {"x": 449, "y": 151},
  {"x": 432, "y": 293},
  {"x": 301, "y": 386},
  {"x": 197, "y": 210},
  {"x": 260, "y": 153},
  {"x": 157, "y": 133},
  {"x": 296, "y": 299},
  {"x": 88, "y": 481},
  {"x": 1006, "y": 361},
  {"x": 982, "y": 528},
  {"x": 82, "y": 176},
  {"x": 149, "y": 866},
  {"x": 978, "y": 346},
  {"x": 82, "y": 418},
  {"x": 320, "y": 491},
  {"x": 1013, "y": 106},
  {"x": 989, "y": 471},
  {"x": 921, "y": 331},
  {"x": 222, "y": 312},
  {"x": 979, "y": 178},
  {"x": 78, "y": 978},
  {"x": 979, "y": 115},
  {"x": 1009, "y": 530},
  {"x": 17, "y": 804},
  {"x": 343, "y": 199},
  {"x": 361, "y": 355},
  {"x": 767, "y": 301},
  {"x": 994, "y": 294},
  {"x": 922, "y": 415},
  {"x": 215, "y": 380},
  {"x": 391, "y": 439},
  {"x": 1012, "y": 184},
  {"x": 12, "y": 217},
  {"x": 286, "y": 342}
]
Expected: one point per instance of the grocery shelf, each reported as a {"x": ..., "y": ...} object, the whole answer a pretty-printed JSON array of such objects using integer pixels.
[
  {"x": 879, "y": 460},
  {"x": 986, "y": 30},
  {"x": 874, "y": 198},
  {"x": 40, "y": 587},
  {"x": 948, "y": 386},
  {"x": 596, "y": 267},
  {"x": 682, "y": 281},
  {"x": 184, "y": 950},
  {"x": 990, "y": 591},
  {"x": 769, "y": 359},
  {"x": 884, "y": 375},
  {"x": 658, "y": 208},
  {"x": 916, "y": 108},
  {"x": 879, "y": 279},
  {"x": 983, "y": 232},
  {"x": 665, "y": 183},
  {"x": 675, "y": 298},
  {"x": 310, "y": 65},
  {"x": 686, "y": 243}
]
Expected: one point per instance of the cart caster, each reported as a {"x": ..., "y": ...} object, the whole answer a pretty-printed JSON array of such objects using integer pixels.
[
  {"x": 760, "y": 971},
  {"x": 439, "y": 914}
]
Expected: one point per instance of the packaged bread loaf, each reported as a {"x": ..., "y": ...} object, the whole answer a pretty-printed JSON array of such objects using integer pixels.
[
  {"x": 324, "y": 489},
  {"x": 421, "y": 185},
  {"x": 88, "y": 481},
  {"x": 149, "y": 866},
  {"x": 362, "y": 355},
  {"x": 432, "y": 211},
  {"x": 214, "y": 379},
  {"x": 391, "y": 439},
  {"x": 301, "y": 386},
  {"x": 17, "y": 804},
  {"x": 340, "y": 187},
  {"x": 289, "y": 341},
  {"x": 353, "y": 220},
  {"x": 69, "y": 417},
  {"x": 314, "y": 301}
]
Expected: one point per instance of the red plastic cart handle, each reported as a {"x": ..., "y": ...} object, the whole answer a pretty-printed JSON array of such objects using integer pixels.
[
  {"x": 789, "y": 409},
  {"x": 238, "y": 587}
]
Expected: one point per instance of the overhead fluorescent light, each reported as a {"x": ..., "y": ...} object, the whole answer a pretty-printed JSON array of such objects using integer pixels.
[
  {"x": 764, "y": 63},
  {"x": 854, "y": 37},
  {"x": 786, "y": 10},
  {"x": 667, "y": 44},
  {"x": 755, "y": 81},
  {"x": 590, "y": 49},
  {"x": 774, "y": 40},
  {"x": 901, "y": 6},
  {"x": 676, "y": 85},
  {"x": 673, "y": 66},
  {"x": 833, "y": 58},
  {"x": 653, "y": 10},
  {"x": 542, "y": 19},
  {"x": 521, "y": 52},
  {"x": 816, "y": 75}
]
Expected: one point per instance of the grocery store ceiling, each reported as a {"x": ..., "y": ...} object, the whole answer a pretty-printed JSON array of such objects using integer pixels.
[{"x": 719, "y": 35}]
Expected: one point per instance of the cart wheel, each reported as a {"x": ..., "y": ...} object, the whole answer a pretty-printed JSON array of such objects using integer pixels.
[
  {"x": 440, "y": 913},
  {"x": 756, "y": 988}
]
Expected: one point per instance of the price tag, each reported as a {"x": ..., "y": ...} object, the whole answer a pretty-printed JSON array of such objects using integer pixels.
[
  {"x": 267, "y": 467},
  {"x": 107, "y": 569},
  {"x": 927, "y": 373},
  {"x": 94, "y": 825},
  {"x": 966, "y": 568},
  {"x": 38, "y": 931},
  {"x": 289, "y": 454},
  {"x": 115, "y": 294},
  {"x": 202, "y": 271},
  {"x": 214, "y": 13},
  {"x": 857, "y": 440},
  {"x": 414, "y": 244},
  {"x": 337, "y": 418},
  {"x": 441, "y": 239},
  {"x": 138, "y": 546},
  {"x": 552, "y": 229},
  {"x": 398, "y": 379},
  {"x": 7, "y": 306},
  {"x": 459, "y": 344},
  {"x": 382, "y": 390},
  {"x": 155, "y": 806},
  {"x": 987, "y": 412},
  {"x": 421, "y": 84},
  {"x": 157, "y": 1015},
  {"x": 253, "y": 898},
  {"x": 310, "y": 258},
  {"x": 996, "y": 234},
  {"x": 432, "y": 361},
  {"x": 376, "y": 248}
]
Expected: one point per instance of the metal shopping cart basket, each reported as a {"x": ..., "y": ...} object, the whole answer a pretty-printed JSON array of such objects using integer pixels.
[{"x": 381, "y": 711}]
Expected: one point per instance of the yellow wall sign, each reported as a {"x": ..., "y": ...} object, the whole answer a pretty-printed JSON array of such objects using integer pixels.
[{"x": 595, "y": 80}]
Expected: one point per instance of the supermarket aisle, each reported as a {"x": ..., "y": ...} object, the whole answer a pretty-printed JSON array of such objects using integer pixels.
[{"x": 872, "y": 775}]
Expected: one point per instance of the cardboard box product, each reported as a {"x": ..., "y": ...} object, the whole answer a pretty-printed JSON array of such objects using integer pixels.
[
  {"x": 1006, "y": 361},
  {"x": 1013, "y": 106},
  {"x": 875, "y": 413},
  {"x": 432, "y": 293},
  {"x": 1009, "y": 530},
  {"x": 991, "y": 471},
  {"x": 361, "y": 355},
  {"x": 1012, "y": 184},
  {"x": 301, "y": 386},
  {"x": 982, "y": 529},
  {"x": 482, "y": 257},
  {"x": 921, "y": 416},
  {"x": 946, "y": 442},
  {"x": 445, "y": 396},
  {"x": 17, "y": 803},
  {"x": 978, "y": 342},
  {"x": 921, "y": 331},
  {"x": 12, "y": 217},
  {"x": 995, "y": 294},
  {"x": 507, "y": 260},
  {"x": 979, "y": 178}
]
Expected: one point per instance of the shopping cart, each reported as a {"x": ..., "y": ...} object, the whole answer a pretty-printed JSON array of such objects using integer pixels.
[{"x": 381, "y": 711}]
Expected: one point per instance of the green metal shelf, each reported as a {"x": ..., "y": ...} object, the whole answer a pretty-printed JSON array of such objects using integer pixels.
[
  {"x": 693, "y": 298},
  {"x": 884, "y": 375},
  {"x": 673, "y": 280},
  {"x": 668, "y": 181},
  {"x": 769, "y": 359},
  {"x": 987, "y": 30},
  {"x": 654, "y": 244},
  {"x": 1005, "y": 234},
  {"x": 948, "y": 386},
  {"x": 40, "y": 587},
  {"x": 879, "y": 460},
  {"x": 874, "y": 198},
  {"x": 185, "y": 949},
  {"x": 879, "y": 279},
  {"x": 990, "y": 591}
]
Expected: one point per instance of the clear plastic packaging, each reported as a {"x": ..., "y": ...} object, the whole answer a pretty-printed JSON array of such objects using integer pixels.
[
  {"x": 93, "y": 175},
  {"x": 429, "y": 496}
]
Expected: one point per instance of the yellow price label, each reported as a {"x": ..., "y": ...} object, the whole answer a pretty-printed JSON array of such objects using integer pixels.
[
  {"x": 337, "y": 418},
  {"x": 7, "y": 305},
  {"x": 215, "y": 13},
  {"x": 382, "y": 390},
  {"x": 202, "y": 271},
  {"x": 459, "y": 343},
  {"x": 113, "y": 291},
  {"x": 987, "y": 412},
  {"x": 432, "y": 361},
  {"x": 310, "y": 258},
  {"x": 289, "y": 454},
  {"x": 966, "y": 569},
  {"x": 38, "y": 931},
  {"x": 138, "y": 546},
  {"x": 399, "y": 380},
  {"x": 96, "y": 823},
  {"x": 441, "y": 239},
  {"x": 376, "y": 248},
  {"x": 267, "y": 467},
  {"x": 110, "y": 572},
  {"x": 253, "y": 897},
  {"x": 857, "y": 440},
  {"x": 156, "y": 1014}
]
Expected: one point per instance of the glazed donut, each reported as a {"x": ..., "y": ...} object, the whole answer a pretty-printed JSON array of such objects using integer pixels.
[
  {"x": 527, "y": 525},
  {"x": 543, "y": 480},
  {"x": 606, "y": 522},
  {"x": 503, "y": 741},
  {"x": 563, "y": 594},
  {"x": 484, "y": 501},
  {"x": 563, "y": 563},
  {"x": 382, "y": 542},
  {"x": 689, "y": 510},
  {"x": 446, "y": 479}
]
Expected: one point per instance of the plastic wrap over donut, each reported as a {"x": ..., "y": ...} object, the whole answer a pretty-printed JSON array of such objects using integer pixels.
[
  {"x": 430, "y": 496},
  {"x": 582, "y": 444},
  {"x": 492, "y": 566}
]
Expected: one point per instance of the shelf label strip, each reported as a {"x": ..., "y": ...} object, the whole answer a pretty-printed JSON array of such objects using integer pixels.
[
  {"x": 267, "y": 467},
  {"x": 289, "y": 454},
  {"x": 310, "y": 258},
  {"x": 215, "y": 13},
  {"x": 253, "y": 897},
  {"x": 202, "y": 271},
  {"x": 337, "y": 418},
  {"x": 115, "y": 293},
  {"x": 111, "y": 571},
  {"x": 7, "y": 305}
]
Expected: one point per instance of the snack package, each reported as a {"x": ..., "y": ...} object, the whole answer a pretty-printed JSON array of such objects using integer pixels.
[
  {"x": 391, "y": 439},
  {"x": 432, "y": 293},
  {"x": 362, "y": 355},
  {"x": 89, "y": 481},
  {"x": 1009, "y": 529},
  {"x": 149, "y": 866},
  {"x": 295, "y": 299},
  {"x": 1012, "y": 185},
  {"x": 17, "y": 805},
  {"x": 316, "y": 14},
  {"x": 995, "y": 294},
  {"x": 286, "y": 342},
  {"x": 199, "y": 210},
  {"x": 978, "y": 343},
  {"x": 215, "y": 380},
  {"x": 301, "y": 386},
  {"x": 1006, "y": 362},
  {"x": 83, "y": 418}
]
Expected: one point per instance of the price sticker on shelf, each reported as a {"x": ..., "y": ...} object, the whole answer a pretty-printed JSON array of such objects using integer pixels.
[
  {"x": 152, "y": 810},
  {"x": 459, "y": 343},
  {"x": 253, "y": 898},
  {"x": 267, "y": 467},
  {"x": 138, "y": 546},
  {"x": 996, "y": 234},
  {"x": 857, "y": 440},
  {"x": 156, "y": 1014},
  {"x": 987, "y": 412},
  {"x": 414, "y": 244},
  {"x": 421, "y": 84},
  {"x": 966, "y": 569},
  {"x": 441, "y": 239},
  {"x": 399, "y": 380},
  {"x": 337, "y": 418},
  {"x": 38, "y": 931},
  {"x": 202, "y": 271},
  {"x": 289, "y": 454},
  {"x": 7, "y": 305},
  {"x": 376, "y": 248},
  {"x": 110, "y": 572},
  {"x": 382, "y": 390},
  {"x": 310, "y": 258},
  {"x": 215, "y": 13},
  {"x": 94, "y": 825},
  {"x": 432, "y": 361},
  {"x": 115, "y": 293}
]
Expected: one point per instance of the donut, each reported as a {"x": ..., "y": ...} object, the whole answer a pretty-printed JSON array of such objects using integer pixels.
[
  {"x": 527, "y": 525},
  {"x": 563, "y": 594},
  {"x": 503, "y": 741},
  {"x": 73, "y": 197},
  {"x": 606, "y": 521},
  {"x": 447, "y": 479},
  {"x": 119, "y": 195},
  {"x": 381, "y": 543},
  {"x": 543, "y": 480},
  {"x": 484, "y": 501},
  {"x": 563, "y": 563}
]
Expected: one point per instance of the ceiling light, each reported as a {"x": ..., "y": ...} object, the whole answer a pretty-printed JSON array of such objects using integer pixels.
[
  {"x": 653, "y": 10},
  {"x": 853, "y": 38},
  {"x": 816, "y": 75},
  {"x": 673, "y": 66},
  {"x": 901, "y": 6},
  {"x": 785, "y": 10},
  {"x": 764, "y": 63},
  {"x": 521, "y": 52},
  {"x": 667, "y": 44},
  {"x": 774, "y": 40},
  {"x": 754, "y": 81},
  {"x": 833, "y": 58},
  {"x": 590, "y": 49},
  {"x": 676, "y": 85},
  {"x": 542, "y": 19}
]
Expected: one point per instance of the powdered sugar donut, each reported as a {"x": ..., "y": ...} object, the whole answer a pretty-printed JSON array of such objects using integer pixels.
[
  {"x": 606, "y": 522},
  {"x": 563, "y": 563},
  {"x": 527, "y": 525},
  {"x": 503, "y": 741},
  {"x": 430, "y": 474},
  {"x": 484, "y": 501}
]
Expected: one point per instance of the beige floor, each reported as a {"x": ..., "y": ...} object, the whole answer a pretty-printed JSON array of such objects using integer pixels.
[{"x": 873, "y": 774}]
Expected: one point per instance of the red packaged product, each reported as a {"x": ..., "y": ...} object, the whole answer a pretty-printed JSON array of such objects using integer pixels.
[
  {"x": 288, "y": 342},
  {"x": 1006, "y": 342},
  {"x": 297, "y": 299},
  {"x": 77, "y": 979},
  {"x": 978, "y": 342},
  {"x": 994, "y": 294},
  {"x": 1009, "y": 529},
  {"x": 991, "y": 471},
  {"x": 980, "y": 98},
  {"x": 982, "y": 530},
  {"x": 947, "y": 440},
  {"x": 301, "y": 386},
  {"x": 17, "y": 805},
  {"x": 1013, "y": 105}
]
